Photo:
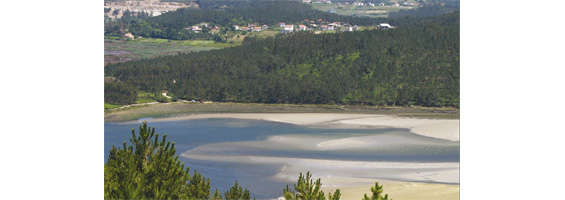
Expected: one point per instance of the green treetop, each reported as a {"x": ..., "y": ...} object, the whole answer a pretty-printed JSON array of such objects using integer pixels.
[{"x": 149, "y": 169}]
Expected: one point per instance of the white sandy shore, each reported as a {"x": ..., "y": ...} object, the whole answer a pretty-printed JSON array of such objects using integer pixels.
[{"x": 437, "y": 128}]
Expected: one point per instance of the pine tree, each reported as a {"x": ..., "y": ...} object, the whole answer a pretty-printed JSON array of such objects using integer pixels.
[
  {"x": 307, "y": 189},
  {"x": 377, "y": 193},
  {"x": 236, "y": 192},
  {"x": 217, "y": 195},
  {"x": 149, "y": 169}
]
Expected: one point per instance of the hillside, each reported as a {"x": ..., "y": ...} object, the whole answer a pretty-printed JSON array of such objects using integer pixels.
[{"x": 417, "y": 64}]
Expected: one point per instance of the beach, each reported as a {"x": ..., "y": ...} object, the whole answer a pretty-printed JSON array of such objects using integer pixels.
[{"x": 401, "y": 180}]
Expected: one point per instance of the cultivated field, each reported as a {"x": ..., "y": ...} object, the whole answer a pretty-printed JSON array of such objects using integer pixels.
[{"x": 377, "y": 11}]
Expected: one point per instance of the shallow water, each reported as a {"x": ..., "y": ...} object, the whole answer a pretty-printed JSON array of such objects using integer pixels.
[{"x": 238, "y": 137}]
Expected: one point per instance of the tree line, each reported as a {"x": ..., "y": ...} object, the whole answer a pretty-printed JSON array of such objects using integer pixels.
[
  {"x": 413, "y": 65},
  {"x": 149, "y": 169}
]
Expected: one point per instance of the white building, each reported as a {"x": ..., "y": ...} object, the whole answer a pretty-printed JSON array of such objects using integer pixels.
[
  {"x": 289, "y": 28},
  {"x": 358, "y": 4},
  {"x": 384, "y": 26}
]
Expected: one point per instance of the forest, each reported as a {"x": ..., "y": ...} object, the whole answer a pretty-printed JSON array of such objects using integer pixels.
[{"x": 417, "y": 64}]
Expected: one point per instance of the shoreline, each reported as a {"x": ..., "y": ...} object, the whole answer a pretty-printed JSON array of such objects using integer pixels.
[
  {"x": 183, "y": 108},
  {"x": 447, "y": 129}
]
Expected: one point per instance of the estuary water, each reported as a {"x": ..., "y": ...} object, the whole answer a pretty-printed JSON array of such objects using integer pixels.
[{"x": 225, "y": 150}]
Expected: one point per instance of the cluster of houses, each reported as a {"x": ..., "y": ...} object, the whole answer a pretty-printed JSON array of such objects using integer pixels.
[
  {"x": 198, "y": 28},
  {"x": 309, "y": 25},
  {"x": 318, "y": 1},
  {"x": 362, "y": 4},
  {"x": 250, "y": 27}
]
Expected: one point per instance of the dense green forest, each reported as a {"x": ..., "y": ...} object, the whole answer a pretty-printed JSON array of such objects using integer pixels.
[
  {"x": 417, "y": 64},
  {"x": 149, "y": 169},
  {"x": 119, "y": 93}
]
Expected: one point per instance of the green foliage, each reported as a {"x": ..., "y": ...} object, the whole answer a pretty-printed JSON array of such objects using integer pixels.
[
  {"x": 377, "y": 193},
  {"x": 110, "y": 106},
  {"x": 149, "y": 169},
  {"x": 119, "y": 93},
  {"x": 217, "y": 195},
  {"x": 162, "y": 99},
  {"x": 417, "y": 64},
  {"x": 307, "y": 189},
  {"x": 237, "y": 193},
  {"x": 335, "y": 196}
]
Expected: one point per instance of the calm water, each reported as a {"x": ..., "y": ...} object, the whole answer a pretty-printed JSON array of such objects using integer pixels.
[{"x": 190, "y": 134}]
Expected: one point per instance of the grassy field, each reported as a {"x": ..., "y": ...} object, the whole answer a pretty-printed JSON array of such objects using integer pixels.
[
  {"x": 180, "y": 108},
  {"x": 110, "y": 106},
  {"x": 145, "y": 97},
  {"x": 124, "y": 50},
  {"x": 268, "y": 33},
  {"x": 377, "y": 11}
]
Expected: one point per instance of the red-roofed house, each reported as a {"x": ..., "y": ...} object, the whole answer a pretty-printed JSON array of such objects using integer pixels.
[{"x": 289, "y": 28}]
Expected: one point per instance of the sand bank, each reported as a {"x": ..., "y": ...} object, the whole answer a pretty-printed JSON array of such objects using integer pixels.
[
  {"x": 401, "y": 180},
  {"x": 437, "y": 128},
  {"x": 355, "y": 178},
  {"x": 355, "y": 171}
]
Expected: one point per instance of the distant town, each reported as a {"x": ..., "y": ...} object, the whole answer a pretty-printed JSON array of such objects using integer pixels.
[
  {"x": 283, "y": 27},
  {"x": 362, "y": 4}
]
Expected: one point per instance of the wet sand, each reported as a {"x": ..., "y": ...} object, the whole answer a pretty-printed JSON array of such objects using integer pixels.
[
  {"x": 401, "y": 180},
  {"x": 436, "y": 128}
]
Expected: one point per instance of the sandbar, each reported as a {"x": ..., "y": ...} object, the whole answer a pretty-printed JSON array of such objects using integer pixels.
[
  {"x": 437, "y": 128},
  {"x": 401, "y": 180}
]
